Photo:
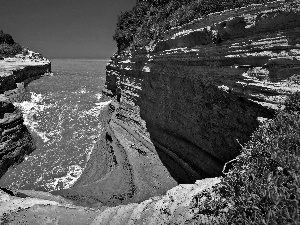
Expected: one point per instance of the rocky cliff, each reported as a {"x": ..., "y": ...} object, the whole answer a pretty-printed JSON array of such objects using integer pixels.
[
  {"x": 15, "y": 139},
  {"x": 204, "y": 89},
  {"x": 184, "y": 106},
  {"x": 180, "y": 109}
]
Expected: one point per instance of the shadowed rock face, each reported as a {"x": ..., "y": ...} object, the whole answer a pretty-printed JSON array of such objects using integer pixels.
[
  {"x": 15, "y": 139},
  {"x": 194, "y": 125}
]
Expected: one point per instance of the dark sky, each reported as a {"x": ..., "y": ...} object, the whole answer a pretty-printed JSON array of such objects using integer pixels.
[{"x": 64, "y": 28}]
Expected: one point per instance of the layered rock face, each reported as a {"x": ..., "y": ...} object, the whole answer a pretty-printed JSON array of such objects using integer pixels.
[
  {"x": 13, "y": 73},
  {"x": 203, "y": 90},
  {"x": 184, "y": 107},
  {"x": 15, "y": 139}
]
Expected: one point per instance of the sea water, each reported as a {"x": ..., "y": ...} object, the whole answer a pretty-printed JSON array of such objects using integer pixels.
[{"x": 62, "y": 113}]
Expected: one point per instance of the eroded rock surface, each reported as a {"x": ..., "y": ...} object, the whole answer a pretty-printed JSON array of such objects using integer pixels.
[
  {"x": 124, "y": 166},
  {"x": 203, "y": 90},
  {"x": 14, "y": 72},
  {"x": 15, "y": 139},
  {"x": 177, "y": 206}
]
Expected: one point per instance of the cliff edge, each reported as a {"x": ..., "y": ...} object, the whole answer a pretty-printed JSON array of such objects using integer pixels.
[{"x": 15, "y": 139}]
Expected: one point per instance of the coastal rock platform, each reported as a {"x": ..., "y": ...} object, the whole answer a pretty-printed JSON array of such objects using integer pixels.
[{"x": 15, "y": 139}]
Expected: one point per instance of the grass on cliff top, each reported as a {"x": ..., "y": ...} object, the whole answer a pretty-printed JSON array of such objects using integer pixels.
[
  {"x": 8, "y": 47},
  {"x": 264, "y": 185},
  {"x": 149, "y": 19},
  {"x": 7, "y": 50}
]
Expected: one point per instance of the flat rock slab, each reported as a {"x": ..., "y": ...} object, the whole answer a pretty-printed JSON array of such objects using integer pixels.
[{"x": 6, "y": 67}]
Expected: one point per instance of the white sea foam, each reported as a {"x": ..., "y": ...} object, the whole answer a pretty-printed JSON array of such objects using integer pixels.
[
  {"x": 31, "y": 108},
  {"x": 89, "y": 152},
  {"x": 66, "y": 181},
  {"x": 103, "y": 104},
  {"x": 39, "y": 179},
  {"x": 96, "y": 110},
  {"x": 83, "y": 90},
  {"x": 98, "y": 96}
]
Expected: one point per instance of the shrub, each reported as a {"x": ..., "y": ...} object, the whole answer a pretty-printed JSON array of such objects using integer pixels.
[
  {"x": 7, "y": 50},
  {"x": 8, "y": 47},
  {"x": 149, "y": 19},
  {"x": 292, "y": 103},
  {"x": 6, "y": 38},
  {"x": 264, "y": 185}
]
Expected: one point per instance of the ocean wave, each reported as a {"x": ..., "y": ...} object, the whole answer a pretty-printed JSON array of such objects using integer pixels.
[
  {"x": 98, "y": 96},
  {"x": 65, "y": 120},
  {"x": 83, "y": 90},
  {"x": 66, "y": 181},
  {"x": 31, "y": 109},
  {"x": 96, "y": 110}
]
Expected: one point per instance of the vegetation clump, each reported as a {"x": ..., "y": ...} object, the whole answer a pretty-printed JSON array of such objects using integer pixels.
[
  {"x": 292, "y": 104},
  {"x": 264, "y": 185},
  {"x": 149, "y": 19},
  {"x": 8, "y": 47}
]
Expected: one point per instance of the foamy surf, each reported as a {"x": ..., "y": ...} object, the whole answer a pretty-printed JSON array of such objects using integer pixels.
[
  {"x": 32, "y": 109},
  {"x": 96, "y": 110},
  {"x": 65, "y": 120},
  {"x": 98, "y": 96},
  {"x": 66, "y": 181},
  {"x": 82, "y": 91}
]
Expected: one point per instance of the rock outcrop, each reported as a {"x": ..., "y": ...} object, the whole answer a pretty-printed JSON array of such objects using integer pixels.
[
  {"x": 180, "y": 110},
  {"x": 124, "y": 166},
  {"x": 203, "y": 90},
  {"x": 15, "y": 139},
  {"x": 184, "y": 107},
  {"x": 177, "y": 206}
]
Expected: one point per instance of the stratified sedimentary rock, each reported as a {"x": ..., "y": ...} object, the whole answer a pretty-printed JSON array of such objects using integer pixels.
[
  {"x": 15, "y": 139},
  {"x": 203, "y": 90}
]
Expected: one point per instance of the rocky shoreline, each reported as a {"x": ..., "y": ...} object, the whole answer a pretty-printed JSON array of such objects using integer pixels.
[
  {"x": 179, "y": 111},
  {"x": 16, "y": 141}
]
